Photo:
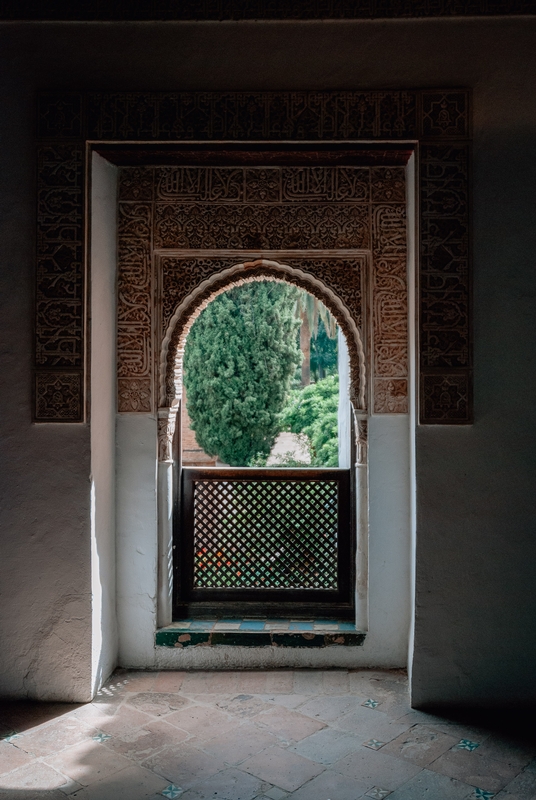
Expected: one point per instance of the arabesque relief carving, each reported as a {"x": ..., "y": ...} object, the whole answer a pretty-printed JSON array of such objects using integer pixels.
[
  {"x": 284, "y": 206},
  {"x": 276, "y": 219}
]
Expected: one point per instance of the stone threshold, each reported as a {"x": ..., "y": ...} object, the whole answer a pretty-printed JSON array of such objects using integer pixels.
[{"x": 259, "y": 633}]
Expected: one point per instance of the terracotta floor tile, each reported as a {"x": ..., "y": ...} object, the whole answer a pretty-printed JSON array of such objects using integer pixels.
[
  {"x": 416, "y": 717},
  {"x": 376, "y": 769},
  {"x": 308, "y": 681},
  {"x": 280, "y": 681},
  {"x": 331, "y": 784},
  {"x": 335, "y": 681},
  {"x": 477, "y": 770},
  {"x": 365, "y": 680},
  {"x": 134, "y": 681},
  {"x": 377, "y": 725},
  {"x": 157, "y": 704},
  {"x": 88, "y": 762},
  {"x": 225, "y": 682},
  {"x": 460, "y": 730},
  {"x": 140, "y": 743},
  {"x": 420, "y": 745},
  {"x": 504, "y": 795},
  {"x": 95, "y": 713},
  {"x": 504, "y": 749},
  {"x": 201, "y": 721},
  {"x": 169, "y": 681},
  {"x": 286, "y": 770},
  {"x": 54, "y": 736},
  {"x": 256, "y": 735},
  {"x": 289, "y": 725},
  {"x": 24, "y": 715},
  {"x": 11, "y": 757},
  {"x": 327, "y": 746},
  {"x": 431, "y": 786},
  {"x": 285, "y": 700},
  {"x": 36, "y": 776},
  {"x": 523, "y": 787},
  {"x": 29, "y": 794},
  {"x": 183, "y": 765},
  {"x": 197, "y": 683},
  {"x": 231, "y": 784},
  {"x": 235, "y": 746},
  {"x": 124, "y": 720},
  {"x": 331, "y": 709},
  {"x": 252, "y": 682},
  {"x": 133, "y": 783},
  {"x": 244, "y": 705}
]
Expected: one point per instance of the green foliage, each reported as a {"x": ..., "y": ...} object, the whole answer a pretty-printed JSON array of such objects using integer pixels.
[
  {"x": 240, "y": 356},
  {"x": 323, "y": 354},
  {"x": 313, "y": 411}
]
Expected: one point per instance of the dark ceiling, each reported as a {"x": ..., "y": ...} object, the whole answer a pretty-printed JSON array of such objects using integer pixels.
[{"x": 200, "y": 10}]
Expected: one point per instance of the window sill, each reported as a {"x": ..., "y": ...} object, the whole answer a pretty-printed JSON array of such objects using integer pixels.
[{"x": 259, "y": 633}]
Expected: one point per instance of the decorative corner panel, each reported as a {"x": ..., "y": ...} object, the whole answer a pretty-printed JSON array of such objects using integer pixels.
[
  {"x": 439, "y": 120},
  {"x": 59, "y": 308}
]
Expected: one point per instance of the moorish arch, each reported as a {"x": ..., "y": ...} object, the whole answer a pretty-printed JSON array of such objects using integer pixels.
[{"x": 185, "y": 314}]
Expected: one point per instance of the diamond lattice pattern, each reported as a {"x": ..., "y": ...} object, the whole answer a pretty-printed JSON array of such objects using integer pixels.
[{"x": 271, "y": 534}]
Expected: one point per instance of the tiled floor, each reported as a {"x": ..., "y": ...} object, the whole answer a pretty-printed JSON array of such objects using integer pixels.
[{"x": 305, "y": 735}]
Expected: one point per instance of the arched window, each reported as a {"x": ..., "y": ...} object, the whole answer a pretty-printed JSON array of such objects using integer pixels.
[{"x": 271, "y": 535}]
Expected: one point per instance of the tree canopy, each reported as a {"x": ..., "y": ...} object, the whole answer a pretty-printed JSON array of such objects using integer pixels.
[
  {"x": 313, "y": 411},
  {"x": 240, "y": 357}
]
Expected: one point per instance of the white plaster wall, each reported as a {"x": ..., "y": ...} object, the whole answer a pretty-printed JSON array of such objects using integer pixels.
[
  {"x": 475, "y": 639},
  {"x": 386, "y": 643},
  {"x": 103, "y": 402},
  {"x": 45, "y": 588},
  {"x": 137, "y": 538}
]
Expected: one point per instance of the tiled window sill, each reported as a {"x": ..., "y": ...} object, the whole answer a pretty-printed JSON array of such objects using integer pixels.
[{"x": 259, "y": 633}]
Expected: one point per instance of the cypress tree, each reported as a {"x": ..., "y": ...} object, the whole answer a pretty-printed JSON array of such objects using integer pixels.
[{"x": 240, "y": 357}]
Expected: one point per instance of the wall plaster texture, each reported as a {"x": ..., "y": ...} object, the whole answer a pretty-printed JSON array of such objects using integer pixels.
[
  {"x": 475, "y": 641},
  {"x": 103, "y": 393}
]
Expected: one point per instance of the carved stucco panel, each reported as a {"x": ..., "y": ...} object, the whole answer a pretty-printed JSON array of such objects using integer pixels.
[
  {"x": 389, "y": 296},
  {"x": 194, "y": 208},
  {"x": 134, "y": 306},
  {"x": 439, "y": 119}
]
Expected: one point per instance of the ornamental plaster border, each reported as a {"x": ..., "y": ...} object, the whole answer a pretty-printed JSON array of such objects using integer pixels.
[{"x": 437, "y": 122}]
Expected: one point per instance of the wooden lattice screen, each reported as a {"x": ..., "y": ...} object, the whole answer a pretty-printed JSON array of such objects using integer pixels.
[{"x": 265, "y": 535}]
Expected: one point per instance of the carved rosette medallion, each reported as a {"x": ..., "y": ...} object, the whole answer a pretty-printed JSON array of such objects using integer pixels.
[{"x": 258, "y": 209}]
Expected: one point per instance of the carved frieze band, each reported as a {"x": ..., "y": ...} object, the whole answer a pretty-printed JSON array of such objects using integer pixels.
[
  {"x": 267, "y": 208},
  {"x": 251, "y": 116},
  {"x": 288, "y": 208}
]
